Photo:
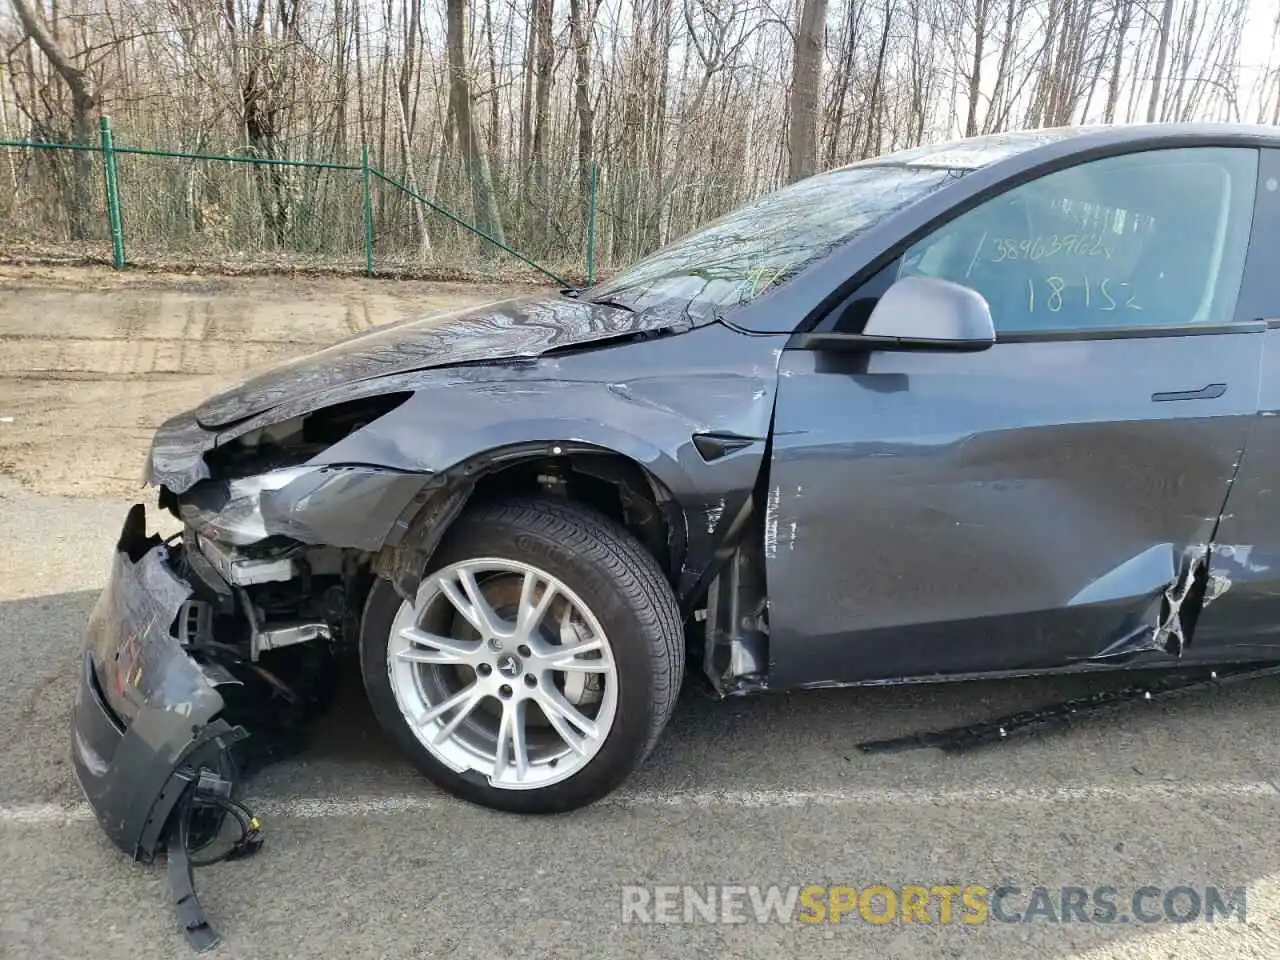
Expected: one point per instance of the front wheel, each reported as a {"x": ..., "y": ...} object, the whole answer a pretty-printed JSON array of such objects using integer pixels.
[{"x": 538, "y": 662}]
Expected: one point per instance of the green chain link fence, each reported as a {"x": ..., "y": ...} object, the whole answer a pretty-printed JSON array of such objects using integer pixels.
[{"x": 226, "y": 207}]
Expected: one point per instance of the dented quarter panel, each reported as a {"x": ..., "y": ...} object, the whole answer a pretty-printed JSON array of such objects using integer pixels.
[{"x": 1019, "y": 508}]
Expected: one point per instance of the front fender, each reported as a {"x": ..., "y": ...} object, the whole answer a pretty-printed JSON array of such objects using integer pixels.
[
  {"x": 603, "y": 401},
  {"x": 477, "y": 426}
]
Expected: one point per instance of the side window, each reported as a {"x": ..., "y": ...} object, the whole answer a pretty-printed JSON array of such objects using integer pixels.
[{"x": 1155, "y": 238}]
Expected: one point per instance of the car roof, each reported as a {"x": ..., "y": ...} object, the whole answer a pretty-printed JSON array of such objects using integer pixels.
[{"x": 971, "y": 153}]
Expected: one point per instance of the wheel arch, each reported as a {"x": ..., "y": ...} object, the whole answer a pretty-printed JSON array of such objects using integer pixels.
[{"x": 616, "y": 483}]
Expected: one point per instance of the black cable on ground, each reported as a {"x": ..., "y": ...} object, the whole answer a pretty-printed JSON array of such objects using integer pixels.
[
  {"x": 185, "y": 843},
  {"x": 999, "y": 729}
]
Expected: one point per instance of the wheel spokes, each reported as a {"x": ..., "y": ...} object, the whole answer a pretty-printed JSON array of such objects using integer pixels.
[
  {"x": 469, "y": 600},
  {"x": 469, "y": 695},
  {"x": 532, "y": 611},
  {"x": 433, "y": 648},
  {"x": 467, "y": 690},
  {"x": 512, "y": 746},
  {"x": 566, "y": 659},
  {"x": 564, "y": 717},
  {"x": 464, "y": 711}
]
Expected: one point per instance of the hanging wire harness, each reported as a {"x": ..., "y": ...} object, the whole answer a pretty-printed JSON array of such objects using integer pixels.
[{"x": 199, "y": 826}]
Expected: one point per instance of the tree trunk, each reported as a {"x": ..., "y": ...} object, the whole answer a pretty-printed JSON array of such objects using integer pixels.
[
  {"x": 360, "y": 94},
  {"x": 544, "y": 63},
  {"x": 1162, "y": 54},
  {"x": 261, "y": 113},
  {"x": 495, "y": 122},
  {"x": 980, "y": 11},
  {"x": 877, "y": 82},
  {"x": 580, "y": 26},
  {"x": 527, "y": 93},
  {"x": 406, "y": 121},
  {"x": 806, "y": 85},
  {"x": 340, "y": 77},
  {"x": 484, "y": 203},
  {"x": 83, "y": 103},
  {"x": 411, "y": 181},
  {"x": 1117, "y": 63},
  {"x": 408, "y": 70},
  {"x": 835, "y": 113}
]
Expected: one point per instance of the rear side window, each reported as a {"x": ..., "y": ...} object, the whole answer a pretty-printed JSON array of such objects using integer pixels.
[{"x": 1154, "y": 238}]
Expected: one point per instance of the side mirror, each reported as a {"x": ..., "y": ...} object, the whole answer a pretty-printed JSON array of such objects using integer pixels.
[
  {"x": 919, "y": 313},
  {"x": 925, "y": 312}
]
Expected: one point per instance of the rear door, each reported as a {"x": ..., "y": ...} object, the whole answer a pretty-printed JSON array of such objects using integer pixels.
[{"x": 1030, "y": 505}]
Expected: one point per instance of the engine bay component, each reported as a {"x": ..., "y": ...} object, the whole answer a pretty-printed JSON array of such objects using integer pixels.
[{"x": 241, "y": 570}]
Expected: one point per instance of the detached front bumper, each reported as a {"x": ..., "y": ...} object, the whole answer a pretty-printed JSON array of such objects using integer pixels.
[{"x": 145, "y": 720}]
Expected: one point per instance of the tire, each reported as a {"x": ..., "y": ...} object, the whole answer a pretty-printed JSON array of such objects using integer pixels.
[{"x": 597, "y": 566}]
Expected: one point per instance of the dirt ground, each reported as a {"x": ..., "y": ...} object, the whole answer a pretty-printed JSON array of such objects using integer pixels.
[{"x": 91, "y": 360}]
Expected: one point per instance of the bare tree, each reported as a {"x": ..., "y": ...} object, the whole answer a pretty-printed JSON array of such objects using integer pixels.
[
  {"x": 1162, "y": 54},
  {"x": 83, "y": 103},
  {"x": 806, "y": 84},
  {"x": 980, "y": 25},
  {"x": 582, "y": 15},
  {"x": 484, "y": 203},
  {"x": 499, "y": 111}
]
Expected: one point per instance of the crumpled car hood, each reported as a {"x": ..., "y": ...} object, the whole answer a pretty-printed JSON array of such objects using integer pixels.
[{"x": 511, "y": 329}]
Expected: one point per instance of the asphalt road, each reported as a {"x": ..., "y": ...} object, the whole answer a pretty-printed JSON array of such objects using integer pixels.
[{"x": 363, "y": 859}]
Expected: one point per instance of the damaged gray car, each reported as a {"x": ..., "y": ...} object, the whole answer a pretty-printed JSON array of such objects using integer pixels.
[{"x": 1003, "y": 406}]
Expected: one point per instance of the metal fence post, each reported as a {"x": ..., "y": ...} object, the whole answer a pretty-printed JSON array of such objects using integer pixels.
[
  {"x": 113, "y": 192},
  {"x": 368, "y": 211},
  {"x": 591, "y": 226}
]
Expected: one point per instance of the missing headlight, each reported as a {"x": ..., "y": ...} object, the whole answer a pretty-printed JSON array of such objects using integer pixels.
[
  {"x": 230, "y": 512},
  {"x": 298, "y": 439}
]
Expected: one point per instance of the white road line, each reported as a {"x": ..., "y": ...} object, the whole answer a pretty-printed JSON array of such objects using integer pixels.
[{"x": 335, "y": 807}]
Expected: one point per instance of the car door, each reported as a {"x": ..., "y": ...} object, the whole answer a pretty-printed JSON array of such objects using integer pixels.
[
  {"x": 1027, "y": 506},
  {"x": 1242, "y": 618}
]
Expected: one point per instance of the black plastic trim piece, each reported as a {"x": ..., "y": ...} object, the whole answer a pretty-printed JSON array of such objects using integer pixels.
[
  {"x": 968, "y": 736},
  {"x": 861, "y": 342},
  {"x": 182, "y": 894},
  {"x": 1134, "y": 333},
  {"x": 713, "y": 446}
]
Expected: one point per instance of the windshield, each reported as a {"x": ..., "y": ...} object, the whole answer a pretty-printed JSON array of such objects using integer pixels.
[{"x": 762, "y": 245}]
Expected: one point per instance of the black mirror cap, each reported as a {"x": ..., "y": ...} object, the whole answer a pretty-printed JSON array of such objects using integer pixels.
[{"x": 926, "y": 311}]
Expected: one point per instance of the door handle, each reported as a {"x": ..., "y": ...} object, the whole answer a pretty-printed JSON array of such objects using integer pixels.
[{"x": 1212, "y": 392}]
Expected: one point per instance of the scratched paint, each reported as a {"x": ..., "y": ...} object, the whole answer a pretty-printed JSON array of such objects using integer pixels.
[
  {"x": 771, "y": 523},
  {"x": 794, "y": 526},
  {"x": 713, "y": 515}
]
